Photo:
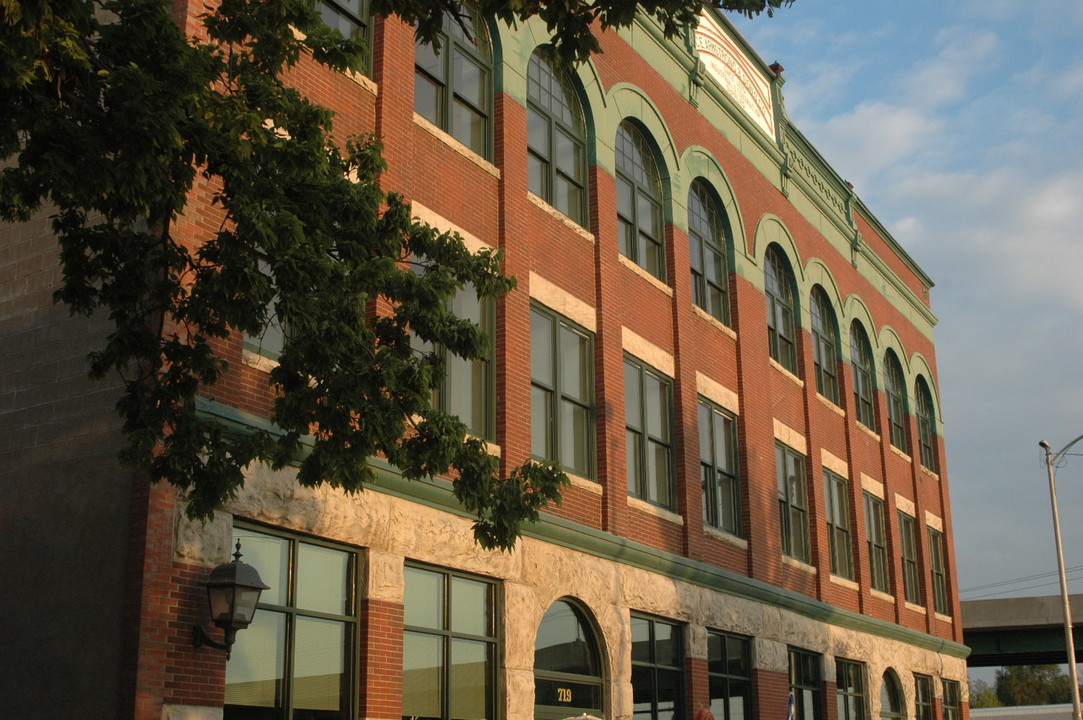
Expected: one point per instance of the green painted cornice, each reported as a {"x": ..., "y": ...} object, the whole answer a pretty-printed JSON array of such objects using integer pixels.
[{"x": 607, "y": 546}]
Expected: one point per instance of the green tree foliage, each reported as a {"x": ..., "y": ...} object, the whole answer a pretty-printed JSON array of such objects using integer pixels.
[
  {"x": 1033, "y": 685},
  {"x": 111, "y": 116},
  {"x": 983, "y": 695}
]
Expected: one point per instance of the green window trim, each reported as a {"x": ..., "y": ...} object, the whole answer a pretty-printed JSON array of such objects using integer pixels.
[
  {"x": 895, "y": 390},
  {"x": 837, "y": 499},
  {"x": 639, "y": 201},
  {"x": 792, "y": 502},
  {"x": 657, "y": 668},
  {"x": 951, "y": 700},
  {"x": 926, "y": 425},
  {"x": 941, "y": 601},
  {"x": 806, "y": 684},
  {"x": 911, "y": 572},
  {"x": 864, "y": 385},
  {"x": 892, "y": 700},
  {"x": 729, "y": 675},
  {"x": 648, "y": 409},
  {"x": 453, "y": 85},
  {"x": 876, "y": 540},
  {"x": 781, "y": 309},
  {"x": 708, "y": 251},
  {"x": 923, "y": 697},
  {"x": 299, "y": 655},
  {"x": 562, "y": 392},
  {"x": 718, "y": 468},
  {"x": 556, "y": 139},
  {"x": 850, "y": 690},
  {"x": 825, "y": 340},
  {"x": 450, "y": 648}
]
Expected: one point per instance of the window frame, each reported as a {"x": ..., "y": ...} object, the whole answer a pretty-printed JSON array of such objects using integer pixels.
[
  {"x": 448, "y": 635},
  {"x": 638, "y": 475},
  {"x": 864, "y": 370},
  {"x": 708, "y": 233},
  {"x": 825, "y": 342},
  {"x": 559, "y": 394},
  {"x": 806, "y": 684},
  {"x": 291, "y": 615},
  {"x": 895, "y": 390},
  {"x": 782, "y": 326},
  {"x": 892, "y": 697},
  {"x": 452, "y": 40},
  {"x": 793, "y": 502},
  {"x": 924, "y": 708},
  {"x": 951, "y": 699},
  {"x": 715, "y": 476},
  {"x": 539, "y": 70},
  {"x": 851, "y": 690},
  {"x": 908, "y": 541},
  {"x": 926, "y": 425},
  {"x": 876, "y": 532},
  {"x": 362, "y": 19},
  {"x": 721, "y": 674},
  {"x": 655, "y": 667},
  {"x": 939, "y": 572},
  {"x": 638, "y": 175},
  {"x": 839, "y": 533}
]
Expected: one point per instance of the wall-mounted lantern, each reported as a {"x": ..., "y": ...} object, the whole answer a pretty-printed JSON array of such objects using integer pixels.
[{"x": 233, "y": 590}]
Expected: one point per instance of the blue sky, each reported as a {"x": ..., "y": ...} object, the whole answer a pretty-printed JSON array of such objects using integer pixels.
[{"x": 959, "y": 124}]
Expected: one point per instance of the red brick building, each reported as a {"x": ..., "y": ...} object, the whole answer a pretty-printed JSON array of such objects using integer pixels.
[{"x": 729, "y": 354}]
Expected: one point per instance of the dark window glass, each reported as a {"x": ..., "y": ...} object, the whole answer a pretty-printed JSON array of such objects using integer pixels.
[
  {"x": 806, "y": 685},
  {"x": 864, "y": 389},
  {"x": 892, "y": 705},
  {"x": 639, "y": 202},
  {"x": 781, "y": 325},
  {"x": 926, "y": 424},
  {"x": 837, "y": 499},
  {"x": 895, "y": 389},
  {"x": 850, "y": 690},
  {"x": 449, "y": 646},
  {"x": 792, "y": 502},
  {"x": 951, "y": 700},
  {"x": 657, "y": 670},
  {"x": 939, "y": 572},
  {"x": 648, "y": 408},
  {"x": 718, "y": 467},
  {"x": 562, "y": 392},
  {"x": 707, "y": 241},
  {"x": 556, "y": 139},
  {"x": 876, "y": 535},
  {"x": 453, "y": 85},
  {"x": 729, "y": 674},
  {"x": 567, "y": 664},
  {"x": 911, "y": 576},
  {"x": 352, "y": 18},
  {"x": 923, "y": 700},
  {"x": 825, "y": 342},
  {"x": 298, "y": 657}
]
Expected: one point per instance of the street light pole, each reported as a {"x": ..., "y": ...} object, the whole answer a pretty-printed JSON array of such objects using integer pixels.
[{"x": 1051, "y": 460}]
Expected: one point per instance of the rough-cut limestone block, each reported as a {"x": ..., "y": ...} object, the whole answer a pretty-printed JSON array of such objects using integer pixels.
[
  {"x": 621, "y": 705},
  {"x": 522, "y": 615},
  {"x": 697, "y": 641},
  {"x": 520, "y": 694},
  {"x": 770, "y": 655},
  {"x": 206, "y": 544},
  {"x": 190, "y": 712},
  {"x": 384, "y": 577}
]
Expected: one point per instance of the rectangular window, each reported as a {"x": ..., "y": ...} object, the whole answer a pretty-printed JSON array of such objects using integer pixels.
[
  {"x": 837, "y": 497},
  {"x": 923, "y": 700},
  {"x": 718, "y": 468},
  {"x": 298, "y": 657},
  {"x": 449, "y": 645},
  {"x": 939, "y": 572},
  {"x": 349, "y": 17},
  {"x": 911, "y": 577},
  {"x": 806, "y": 687},
  {"x": 951, "y": 700},
  {"x": 648, "y": 409},
  {"x": 850, "y": 690},
  {"x": 729, "y": 673},
  {"x": 657, "y": 670},
  {"x": 792, "y": 502},
  {"x": 562, "y": 392},
  {"x": 877, "y": 543}
]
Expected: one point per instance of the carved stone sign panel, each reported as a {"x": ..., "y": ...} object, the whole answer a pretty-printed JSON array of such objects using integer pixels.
[{"x": 735, "y": 72}]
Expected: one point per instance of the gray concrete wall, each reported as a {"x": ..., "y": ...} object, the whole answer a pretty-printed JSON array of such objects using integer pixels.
[{"x": 64, "y": 503}]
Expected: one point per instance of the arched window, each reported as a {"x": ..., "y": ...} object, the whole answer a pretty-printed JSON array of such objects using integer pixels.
[
  {"x": 825, "y": 342},
  {"x": 781, "y": 328},
  {"x": 556, "y": 139},
  {"x": 926, "y": 424},
  {"x": 895, "y": 388},
  {"x": 707, "y": 240},
  {"x": 861, "y": 359},
  {"x": 892, "y": 706},
  {"x": 567, "y": 665},
  {"x": 639, "y": 202},
  {"x": 453, "y": 85}
]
